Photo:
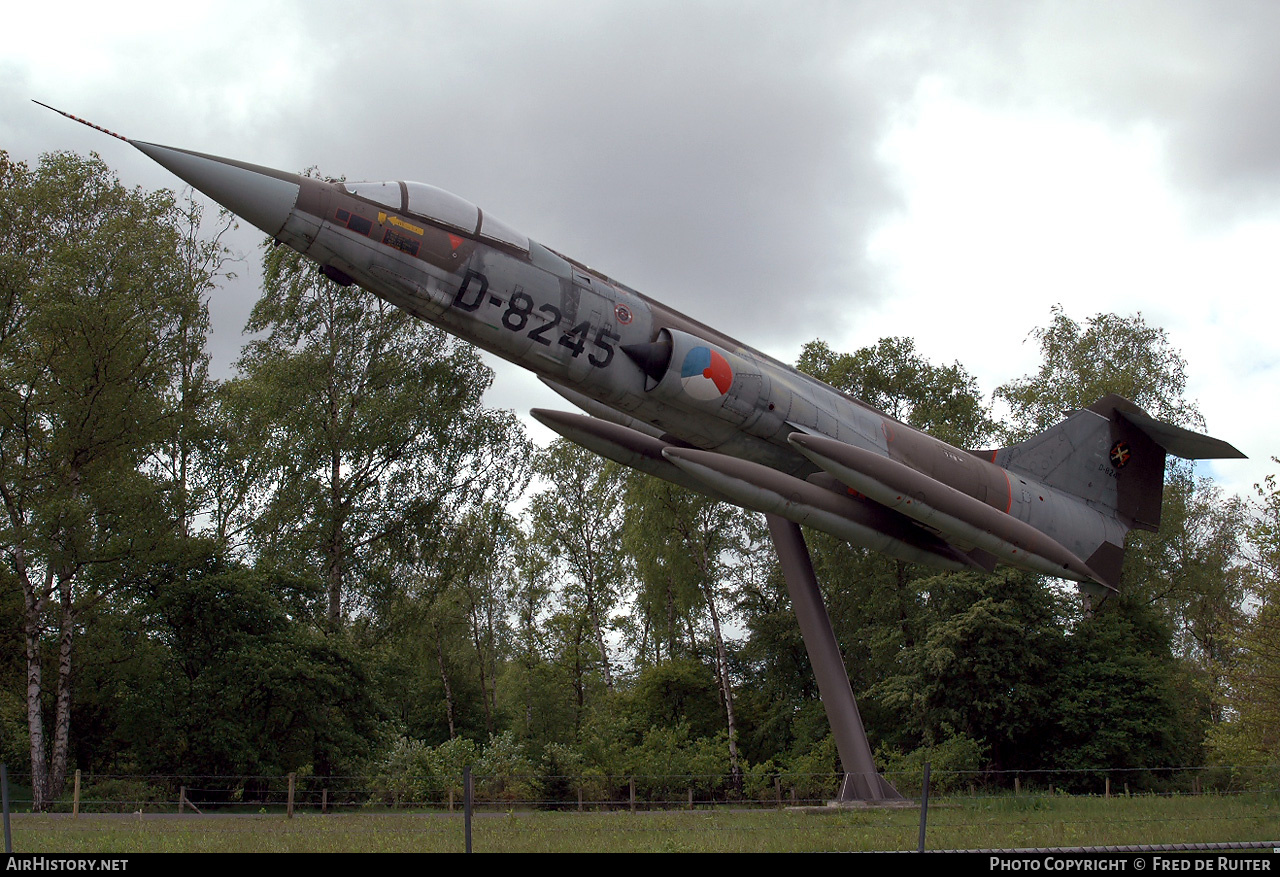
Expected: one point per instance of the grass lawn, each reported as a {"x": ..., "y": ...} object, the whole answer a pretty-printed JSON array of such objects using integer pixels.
[{"x": 954, "y": 823}]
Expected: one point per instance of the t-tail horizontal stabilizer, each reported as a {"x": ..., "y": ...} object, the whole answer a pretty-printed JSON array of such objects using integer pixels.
[{"x": 1111, "y": 455}]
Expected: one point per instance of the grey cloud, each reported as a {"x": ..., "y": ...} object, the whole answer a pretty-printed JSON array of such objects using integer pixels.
[
  {"x": 1204, "y": 75},
  {"x": 721, "y": 157},
  {"x": 704, "y": 154}
]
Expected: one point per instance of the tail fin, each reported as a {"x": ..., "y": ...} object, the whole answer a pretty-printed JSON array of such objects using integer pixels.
[{"x": 1112, "y": 455}]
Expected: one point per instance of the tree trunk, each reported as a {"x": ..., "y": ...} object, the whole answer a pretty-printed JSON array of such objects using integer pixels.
[
  {"x": 33, "y": 606},
  {"x": 579, "y": 683},
  {"x": 671, "y": 617},
  {"x": 721, "y": 655},
  {"x": 334, "y": 572},
  {"x": 333, "y": 432},
  {"x": 726, "y": 690},
  {"x": 35, "y": 715},
  {"x": 479, "y": 647},
  {"x": 448, "y": 691},
  {"x": 904, "y": 609},
  {"x": 599, "y": 632},
  {"x": 62, "y": 712}
]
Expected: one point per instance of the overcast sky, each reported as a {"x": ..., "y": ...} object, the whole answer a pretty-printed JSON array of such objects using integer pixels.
[{"x": 783, "y": 170}]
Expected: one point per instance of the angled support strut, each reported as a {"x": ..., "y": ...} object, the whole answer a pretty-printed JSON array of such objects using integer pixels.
[{"x": 861, "y": 781}]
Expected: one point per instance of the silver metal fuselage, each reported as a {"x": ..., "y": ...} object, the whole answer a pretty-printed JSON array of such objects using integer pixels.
[{"x": 444, "y": 261}]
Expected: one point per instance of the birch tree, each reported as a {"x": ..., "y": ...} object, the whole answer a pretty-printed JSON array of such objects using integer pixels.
[
  {"x": 96, "y": 310},
  {"x": 370, "y": 423},
  {"x": 684, "y": 545},
  {"x": 577, "y": 521}
]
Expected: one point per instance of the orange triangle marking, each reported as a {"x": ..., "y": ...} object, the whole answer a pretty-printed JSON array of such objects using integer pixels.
[{"x": 455, "y": 241}]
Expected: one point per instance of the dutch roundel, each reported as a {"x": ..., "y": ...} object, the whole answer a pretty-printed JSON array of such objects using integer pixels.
[{"x": 705, "y": 374}]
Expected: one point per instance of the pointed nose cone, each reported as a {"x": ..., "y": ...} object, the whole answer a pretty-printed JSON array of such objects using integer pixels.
[{"x": 261, "y": 195}]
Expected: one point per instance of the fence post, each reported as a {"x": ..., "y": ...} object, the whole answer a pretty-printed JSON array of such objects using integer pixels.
[
  {"x": 466, "y": 803},
  {"x": 182, "y": 799},
  {"x": 633, "y": 794},
  {"x": 691, "y": 799},
  {"x": 579, "y": 799},
  {"x": 289, "y": 807},
  {"x": 924, "y": 805},
  {"x": 75, "y": 797},
  {"x": 4, "y": 790},
  {"x": 1108, "y": 792},
  {"x": 1017, "y": 786},
  {"x": 777, "y": 789},
  {"x": 324, "y": 800}
]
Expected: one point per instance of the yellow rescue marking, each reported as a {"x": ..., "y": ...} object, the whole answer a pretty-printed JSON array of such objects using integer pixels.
[{"x": 399, "y": 223}]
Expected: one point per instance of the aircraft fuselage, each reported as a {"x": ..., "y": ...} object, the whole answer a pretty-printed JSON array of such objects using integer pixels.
[
  {"x": 570, "y": 325},
  {"x": 666, "y": 389}
]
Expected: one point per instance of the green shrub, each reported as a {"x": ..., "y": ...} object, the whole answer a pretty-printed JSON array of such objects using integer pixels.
[
  {"x": 758, "y": 782},
  {"x": 121, "y": 795},
  {"x": 952, "y": 766},
  {"x": 505, "y": 771},
  {"x": 814, "y": 774},
  {"x": 405, "y": 775}
]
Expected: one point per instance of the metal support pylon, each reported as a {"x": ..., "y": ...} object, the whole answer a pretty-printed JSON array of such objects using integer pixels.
[{"x": 861, "y": 780}]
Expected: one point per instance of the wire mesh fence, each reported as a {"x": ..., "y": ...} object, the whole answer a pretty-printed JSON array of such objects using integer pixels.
[
  {"x": 599, "y": 791},
  {"x": 1154, "y": 808}
]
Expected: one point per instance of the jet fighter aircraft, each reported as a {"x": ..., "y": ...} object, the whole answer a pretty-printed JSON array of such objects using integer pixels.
[{"x": 673, "y": 397}]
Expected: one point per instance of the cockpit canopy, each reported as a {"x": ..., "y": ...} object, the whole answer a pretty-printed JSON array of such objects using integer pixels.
[{"x": 438, "y": 206}]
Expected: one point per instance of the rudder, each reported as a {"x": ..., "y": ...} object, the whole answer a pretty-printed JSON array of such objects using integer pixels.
[{"x": 1112, "y": 455}]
